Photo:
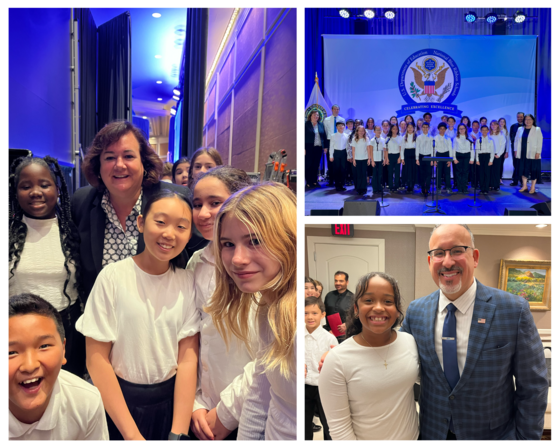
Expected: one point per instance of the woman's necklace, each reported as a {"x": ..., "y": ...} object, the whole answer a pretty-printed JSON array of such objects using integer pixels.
[{"x": 386, "y": 353}]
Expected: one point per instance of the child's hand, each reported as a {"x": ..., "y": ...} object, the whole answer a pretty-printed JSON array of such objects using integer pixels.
[
  {"x": 199, "y": 425},
  {"x": 418, "y": 162},
  {"x": 448, "y": 164},
  {"x": 354, "y": 162},
  {"x": 332, "y": 159},
  {"x": 220, "y": 431},
  {"x": 322, "y": 361},
  {"x": 432, "y": 163},
  {"x": 490, "y": 163},
  {"x": 368, "y": 162},
  {"x": 496, "y": 156},
  {"x": 399, "y": 161},
  {"x": 507, "y": 155},
  {"x": 470, "y": 162},
  {"x": 478, "y": 163},
  {"x": 455, "y": 162}
]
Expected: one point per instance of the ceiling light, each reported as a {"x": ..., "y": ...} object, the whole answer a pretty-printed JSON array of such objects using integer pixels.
[
  {"x": 158, "y": 56},
  {"x": 541, "y": 226},
  {"x": 491, "y": 17},
  {"x": 159, "y": 99},
  {"x": 145, "y": 118},
  {"x": 172, "y": 111},
  {"x": 519, "y": 17},
  {"x": 470, "y": 17},
  {"x": 176, "y": 91},
  {"x": 390, "y": 14},
  {"x": 159, "y": 82},
  {"x": 157, "y": 15},
  {"x": 344, "y": 13},
  {"x": 369, "y": 13},
  {"x": 176, "y": 98}
]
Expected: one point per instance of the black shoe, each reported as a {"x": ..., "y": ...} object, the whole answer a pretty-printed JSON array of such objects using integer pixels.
[
  {"x": 316, "y": 428},
  {"x": 514, "y": 184}
]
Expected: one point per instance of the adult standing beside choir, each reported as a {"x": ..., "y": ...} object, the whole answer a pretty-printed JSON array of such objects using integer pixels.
[
  {"x": 330, "y": 129},
  {"x": 315, "y": 144},
  {"x": 528, "y": 148},
  {"x": 512, "y": 135}
]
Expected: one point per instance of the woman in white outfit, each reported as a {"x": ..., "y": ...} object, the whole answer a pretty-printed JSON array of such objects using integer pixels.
[{"x": 528, "y": 148}]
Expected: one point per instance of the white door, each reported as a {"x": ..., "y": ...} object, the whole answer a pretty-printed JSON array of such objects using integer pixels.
[{"x": 355, "y": 256}]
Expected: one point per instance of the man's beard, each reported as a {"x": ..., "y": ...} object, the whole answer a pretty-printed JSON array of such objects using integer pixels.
[{"x": 449, "y": 290}]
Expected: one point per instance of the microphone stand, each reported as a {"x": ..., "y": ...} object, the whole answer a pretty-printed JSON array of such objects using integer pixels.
[
  {"x": 432, "y": 179},
  {"x": 377, "y": 149},
  {"x": 474, "y": 204}
]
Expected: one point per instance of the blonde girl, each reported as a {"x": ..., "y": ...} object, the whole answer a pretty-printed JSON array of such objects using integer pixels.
[{"x": 255, "y": 251}]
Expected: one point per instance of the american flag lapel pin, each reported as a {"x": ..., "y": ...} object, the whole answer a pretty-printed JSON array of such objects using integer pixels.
[{"x": 481, "y": 321}]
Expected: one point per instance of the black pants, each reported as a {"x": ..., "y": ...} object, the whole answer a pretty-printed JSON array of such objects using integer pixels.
[
  {"x": 496, "y": 171},
  {"x": 461, "y": 170},
  {"x": 312, "y": 161},
  {"x": 394, "y": 172},
  {"x": 151, "y": 407},
  {"x": 377, "y": 176},
  {"x": 484, "y": 171},
  {"x": 330, "y": 165},
  {"x": 75, "y": 341},
  {"x": 339, "y": 168},
  {"x": 349, "y": 175},
  {"x": 515, "y": 177},
  {"x": 425, "y": 173},
  {"x": 360, "y": 176},
  {"x": 444, "y": 170},
  {"x": 408, "y": 168},
  {"x": 312, "y": 404}
]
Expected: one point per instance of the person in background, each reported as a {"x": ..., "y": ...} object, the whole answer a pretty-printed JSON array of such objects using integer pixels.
[
  {"x": 180, "y": 171},
  {"x": 45, "y": 402},
  {"x": 337, "y": 155},
  {"x": 349, "y": 131},
  {"x": 528, "y": 148},
  {"x": 167, "y": 173},
  {"x": 310, "y": 288},
  {"x": 330, "y": 129},
  {"x": 360, "y": 144},
  {"x": 444, "y": 148},
  {"x": 339, "y": 302},
  {"x": 512, "y": 136},
  {"x": 315, "y": 144},
  {"x": 317, "y": 342},
  {"x": 504, "y": 130},
  {"x": 485, "y": 151},
  {"x": 393, "y": 158},
  {"x": 500, "y": 142},
  {"x": 319, "y": 289},
  {"x": 424, "y": 148},
  {"x": 203, "y": 159},
  {"x": 377, "y": 156},
  {"x": 408, "y": 151},
  {"x": 463, "y": 156}
]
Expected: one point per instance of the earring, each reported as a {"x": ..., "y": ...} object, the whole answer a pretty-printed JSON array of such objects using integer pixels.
[{"x": 145, "y": 173}]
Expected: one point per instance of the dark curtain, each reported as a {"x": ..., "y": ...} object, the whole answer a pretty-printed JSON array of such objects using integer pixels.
[
  {"x": 450, "y": 21},
  {"x": 114, "y": 98},
  {"x": 192, "y": 80},
  {"x": 142, "y": 124},
  {"x": 171, "y": 138},
  {"x": 87, "y": 53}
]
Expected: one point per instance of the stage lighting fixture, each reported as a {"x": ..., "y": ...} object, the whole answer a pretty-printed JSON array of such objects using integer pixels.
[
  {"x": 470, "y": 17},
  {"x": 344, "y": 13},
  {"x": 172, "y": 111},
  {"x": 390, "y": 14},
  {"x": 177, "y": 91},
  {"x": 159, "y": 82},
  {"x": 145, "y": 118},
  {"x": 156, "y": 15},
  {"x": 519, "y": 17},
  {"x": 176, "y": 98},
  {"x": 160, "y": 99},
  {"x": 369, "y": 13},
  {"x": 491, "y": 17}
]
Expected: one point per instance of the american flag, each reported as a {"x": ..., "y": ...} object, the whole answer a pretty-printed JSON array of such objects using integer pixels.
[{"x": 429, "y": 87}]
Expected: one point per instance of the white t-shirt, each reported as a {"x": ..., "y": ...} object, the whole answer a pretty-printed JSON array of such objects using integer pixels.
[
  {"x": 75, "y": 412},
  {"x": 363, "y": 399},
  {"x": 361, "y": 147},
  {"x": 316, "y": 344},
  {"x": 41, "y": 268},
  {"x": 378, "y": 145},
  {"x": 224, "y": 376},
  {"x": 144, "y": 316}
]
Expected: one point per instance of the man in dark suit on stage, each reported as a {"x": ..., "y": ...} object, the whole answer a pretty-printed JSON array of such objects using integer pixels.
[
  {"x": 512, "y": 133},
  {"x": 483, "y": 372}
]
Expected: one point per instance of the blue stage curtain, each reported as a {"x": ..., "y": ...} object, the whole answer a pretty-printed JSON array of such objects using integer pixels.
[
  {"x": 192, "y": 80},
  {"x": 446, "y": 21},
  {"x": 171, "y": 138},
  {"x": 114, "y": 98},
  {"x": 87, "y": 52},
  {"x": 142, "y": 124}
]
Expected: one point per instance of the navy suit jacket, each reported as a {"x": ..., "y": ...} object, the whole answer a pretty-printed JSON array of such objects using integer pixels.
[
  {"x": 89, "y": 218},
  {"x": 486, "y": 403}
]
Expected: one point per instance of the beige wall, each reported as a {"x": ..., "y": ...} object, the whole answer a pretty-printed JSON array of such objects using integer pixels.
[{"x": 406, "y": 259}]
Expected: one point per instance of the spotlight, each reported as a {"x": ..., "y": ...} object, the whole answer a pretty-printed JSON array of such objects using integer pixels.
[
  {"x": 519, "y": 17},
  {"x": 145, "y": 118},
  {"x": 173, "y": 111},
  {"x": 344, "y": 13},
  {"x": 156, "y": 15},
  {"x": 176, "y": 91},
  {"x": 491, "y": 17},
  {"x": 157, "y": 56},
  {"x": 470, "y": 17},
  {"x": 159, "y": 82},
  {"x": 160, "y": 99},
  {"x": 369, "y": 13},
  {"x": 390, "y": 14},
  {"x": 176, "y": 98}
]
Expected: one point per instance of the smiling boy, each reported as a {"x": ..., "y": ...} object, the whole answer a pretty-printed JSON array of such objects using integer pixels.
[{"x": 45, "y": 402}]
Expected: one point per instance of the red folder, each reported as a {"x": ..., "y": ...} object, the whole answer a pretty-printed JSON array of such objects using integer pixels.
[{"x": 334, "y": 322}]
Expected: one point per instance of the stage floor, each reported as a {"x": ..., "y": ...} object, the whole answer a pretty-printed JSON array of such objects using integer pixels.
[{"x": 455, "y": 204}]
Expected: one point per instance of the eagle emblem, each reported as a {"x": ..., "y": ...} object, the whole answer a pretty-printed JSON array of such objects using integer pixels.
[{"x": 433, "y": 81}]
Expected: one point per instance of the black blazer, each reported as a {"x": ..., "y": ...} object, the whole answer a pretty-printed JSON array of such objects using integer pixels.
[
  {"x": 310, "y": 134},
  {"x": 89, "y": 218}
]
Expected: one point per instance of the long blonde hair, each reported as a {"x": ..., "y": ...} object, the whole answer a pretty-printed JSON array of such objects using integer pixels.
[{"x": 269, "y": 212}]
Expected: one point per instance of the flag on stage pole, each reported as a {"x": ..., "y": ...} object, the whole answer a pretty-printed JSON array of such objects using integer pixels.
[{"x": 317, "y": 102}]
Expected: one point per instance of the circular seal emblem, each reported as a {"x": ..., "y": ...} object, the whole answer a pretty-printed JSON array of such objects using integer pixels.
[
  {"x": 429, "y": 76},
  {"x": 318, "y": 108}
]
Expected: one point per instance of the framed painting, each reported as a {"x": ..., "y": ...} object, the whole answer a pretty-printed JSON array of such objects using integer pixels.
[{"x": 528, "y": 279}]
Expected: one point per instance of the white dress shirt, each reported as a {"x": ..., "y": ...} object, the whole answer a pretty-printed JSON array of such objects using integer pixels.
[
  {"x": 393, "y": 145},
  {"x": 463, "y": 146},
  {"x": 316, "y": 344},
  {"x": 378, "y": 145},
  {"x": 463, "y": 316},
  {"x": 75, "y": 412},
  {"x": 486, "y": 147},
  {"x": 360, "y": 147},
  {"x": 500, "y": 142},
  {"x": 424, "y": 145},
  {"x": 443, "y": 144},
  {"x": 475, "y": 136},
  {"x": 224, "y": 375},
  {"x": 338, "y": 142},
  {"x": 370, "y": 133},
  {"x": 452, "y": 134},
  {"x": 330, "y": 126},
  {"x": 407, "y": 142}
]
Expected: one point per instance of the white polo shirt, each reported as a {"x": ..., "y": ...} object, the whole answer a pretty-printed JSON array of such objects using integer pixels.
[{"x": 75, "y": 412}]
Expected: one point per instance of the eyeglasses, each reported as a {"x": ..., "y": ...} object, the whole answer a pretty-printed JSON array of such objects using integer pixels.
[{"x": 456, "y": 252}]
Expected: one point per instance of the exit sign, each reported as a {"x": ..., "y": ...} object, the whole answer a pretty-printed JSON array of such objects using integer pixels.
[{"x": 342, "y": 230}]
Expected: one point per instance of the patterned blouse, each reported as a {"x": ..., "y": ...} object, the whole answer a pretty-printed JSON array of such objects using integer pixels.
[{"x": 119, "y": 244}]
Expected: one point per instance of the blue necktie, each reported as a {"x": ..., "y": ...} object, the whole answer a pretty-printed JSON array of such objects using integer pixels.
[{"x": 449, "y": 348}]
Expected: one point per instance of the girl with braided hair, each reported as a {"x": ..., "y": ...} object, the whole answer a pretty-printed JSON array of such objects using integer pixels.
[{"x": 44, "y": 246}]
